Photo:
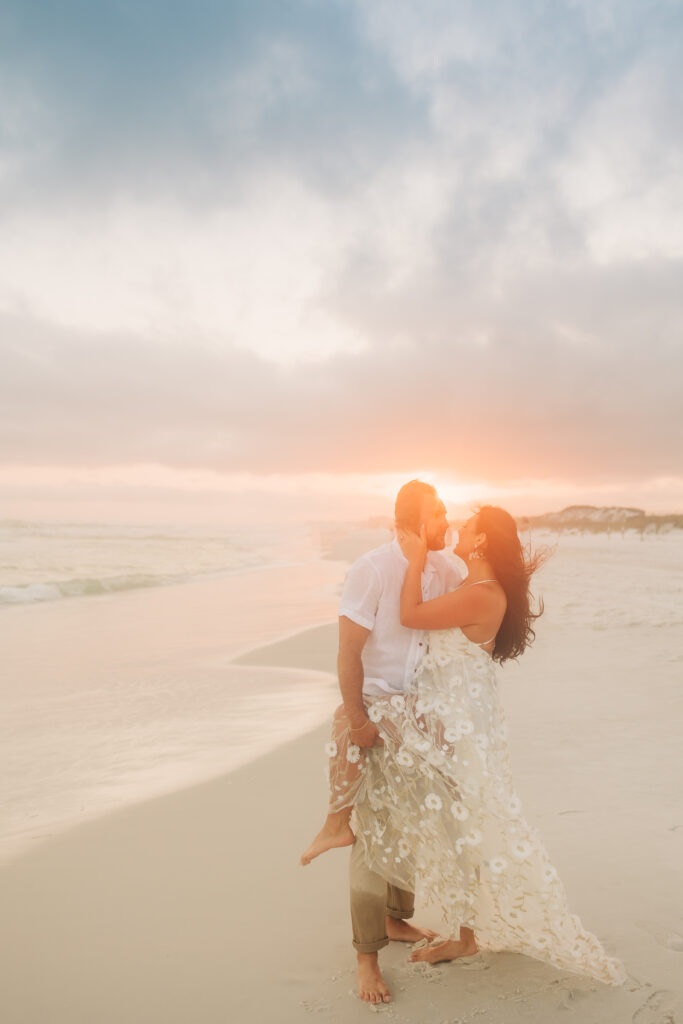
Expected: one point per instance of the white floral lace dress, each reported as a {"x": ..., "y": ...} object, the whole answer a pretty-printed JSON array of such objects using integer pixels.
[{"x": 437, "y": 805}]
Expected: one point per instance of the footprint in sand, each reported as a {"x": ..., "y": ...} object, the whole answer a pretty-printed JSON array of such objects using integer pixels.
[
  {"x": 664, "y": 936},
  {"x": 427, "y": 971},
  {"x": 657, "y": 1009},
  {"x": 472, "y": 963}
]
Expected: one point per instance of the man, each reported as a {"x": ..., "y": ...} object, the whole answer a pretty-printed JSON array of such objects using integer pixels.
[{"x": 378, "y": 656}]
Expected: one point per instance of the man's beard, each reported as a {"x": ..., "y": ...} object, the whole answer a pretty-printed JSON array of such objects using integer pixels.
[{"x": 437, "y": 543}]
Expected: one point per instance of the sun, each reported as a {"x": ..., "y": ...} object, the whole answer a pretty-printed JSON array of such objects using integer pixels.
[{"x": 452, "y": 489}]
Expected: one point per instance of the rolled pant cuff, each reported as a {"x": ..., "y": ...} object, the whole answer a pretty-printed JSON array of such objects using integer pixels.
[
  {"x": 399, "y": 915},
  {"x": 370, "y": 947}
]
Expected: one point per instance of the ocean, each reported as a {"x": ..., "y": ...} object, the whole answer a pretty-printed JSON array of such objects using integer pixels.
[
  {"x": 118, "y": 642},
  {"x": 49, "y": 561}
]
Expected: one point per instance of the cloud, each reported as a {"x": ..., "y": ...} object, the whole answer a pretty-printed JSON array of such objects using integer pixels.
[
  {"x": 622, "y": 173},
  {"x": 254, "y": 272},
  {"x": 515, "y": 403},
  {"x": 162, "y": 99},
  {"x": 250, "y": 272},
  {"x": 348, "y": 237}
]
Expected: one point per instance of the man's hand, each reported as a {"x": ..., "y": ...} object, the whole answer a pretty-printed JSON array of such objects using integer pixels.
[{"x": 366, "y": 735}]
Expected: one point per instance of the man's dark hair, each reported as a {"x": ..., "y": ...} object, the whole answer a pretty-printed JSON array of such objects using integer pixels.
[{"x": 409, "y": 504}]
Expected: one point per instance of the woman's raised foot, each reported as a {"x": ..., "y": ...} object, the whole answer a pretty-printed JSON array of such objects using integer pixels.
[{"x": 330, "y": 836}]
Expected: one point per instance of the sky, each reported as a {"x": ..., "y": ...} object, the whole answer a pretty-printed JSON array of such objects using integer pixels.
[{"x": 275, "y": 257}]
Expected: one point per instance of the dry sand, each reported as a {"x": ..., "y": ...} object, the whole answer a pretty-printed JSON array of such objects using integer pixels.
[{"x": 192, "y": 908}]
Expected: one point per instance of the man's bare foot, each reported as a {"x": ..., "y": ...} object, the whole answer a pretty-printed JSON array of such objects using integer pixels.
[
  {"x": 403, "y": 931},
  {"x": 450, "y": 950},
  {"x": 330, "y": 836},
  {"x": 371, "y": 984}
]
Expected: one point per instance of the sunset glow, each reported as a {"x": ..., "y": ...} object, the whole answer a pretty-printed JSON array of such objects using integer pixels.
[{"x": 152, "y": 492}]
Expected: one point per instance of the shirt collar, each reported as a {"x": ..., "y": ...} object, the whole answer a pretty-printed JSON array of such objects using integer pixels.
[{"x": 397, "y": 550}]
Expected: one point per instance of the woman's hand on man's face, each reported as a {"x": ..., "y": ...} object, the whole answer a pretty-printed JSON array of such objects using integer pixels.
[{"x": 414, "y": 546}]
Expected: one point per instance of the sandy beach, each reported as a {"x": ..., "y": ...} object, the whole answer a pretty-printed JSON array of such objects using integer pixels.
[{"x": 192, "y": 907}]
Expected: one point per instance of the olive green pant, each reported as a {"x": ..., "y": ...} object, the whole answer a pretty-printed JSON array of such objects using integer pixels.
[{"x": 372, "y": 900}]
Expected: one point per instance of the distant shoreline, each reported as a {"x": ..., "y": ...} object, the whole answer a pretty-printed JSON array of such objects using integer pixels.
[
  {"x": 605, "y": 519},
  {"x": 345, "y": 541}
]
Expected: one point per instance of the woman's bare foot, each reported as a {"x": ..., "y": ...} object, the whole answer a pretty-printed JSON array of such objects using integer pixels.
[
  {"x": 402, "y": 931},
  {"x": 371, "y": 985},
  {"x": 450, "y": 950},
  {"x": 335, "y": 832}
]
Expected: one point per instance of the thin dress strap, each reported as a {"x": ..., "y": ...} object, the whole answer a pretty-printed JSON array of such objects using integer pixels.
[
  {"x": 485, "y": 641},
  {"x": 484, "y": 644}
]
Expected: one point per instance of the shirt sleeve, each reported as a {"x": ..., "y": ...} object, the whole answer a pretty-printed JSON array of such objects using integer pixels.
[{"x": 360, "y": 595}]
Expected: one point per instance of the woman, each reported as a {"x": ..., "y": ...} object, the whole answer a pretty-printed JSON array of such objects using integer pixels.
[{"x": 437, "y": 802}]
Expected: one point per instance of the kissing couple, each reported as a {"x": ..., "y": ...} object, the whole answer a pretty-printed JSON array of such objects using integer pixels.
[{"x": 420, "y": 781}]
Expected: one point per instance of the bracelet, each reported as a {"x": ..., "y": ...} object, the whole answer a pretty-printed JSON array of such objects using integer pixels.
[{"x": 358, "y": 729}]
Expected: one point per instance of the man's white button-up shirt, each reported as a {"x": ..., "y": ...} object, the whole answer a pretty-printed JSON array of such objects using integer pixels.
[{"x": 371, "y": 598}]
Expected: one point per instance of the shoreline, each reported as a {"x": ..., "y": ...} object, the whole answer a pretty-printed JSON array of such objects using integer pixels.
[
  {"x": 310, "y": 649},
  {"x": 312, "y": 644},
  {"x": 147, "y": 692}
]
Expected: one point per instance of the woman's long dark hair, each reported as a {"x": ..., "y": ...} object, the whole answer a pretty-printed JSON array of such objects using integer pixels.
[{"x": 513, "y": 569}]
